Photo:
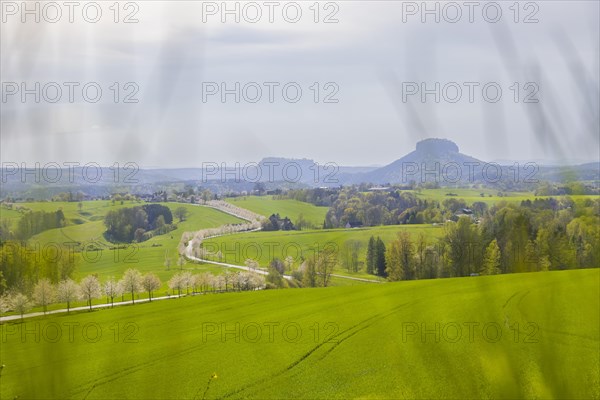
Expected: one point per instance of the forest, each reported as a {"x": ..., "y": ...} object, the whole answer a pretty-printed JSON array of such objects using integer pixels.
[
  {"x": 138, "y": 223},
  {"x": 539, "y": 235}
]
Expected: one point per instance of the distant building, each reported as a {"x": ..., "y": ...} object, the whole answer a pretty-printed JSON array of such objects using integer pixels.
[
  {"x": 465, "y": 212},
  {"x": 276, "y": 223},
  {"x": 354, "y": 225}
]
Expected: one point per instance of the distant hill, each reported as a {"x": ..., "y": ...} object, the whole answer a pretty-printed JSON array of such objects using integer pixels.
[{"x": 432, "y": 159}]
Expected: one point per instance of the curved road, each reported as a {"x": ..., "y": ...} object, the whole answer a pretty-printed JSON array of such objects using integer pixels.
[{"x": 189, "y": 252}]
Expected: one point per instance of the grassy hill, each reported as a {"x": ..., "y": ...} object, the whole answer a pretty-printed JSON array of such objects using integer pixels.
[
  {"x": 532, "y": 335},
  {"x": 147, "y": 256},
  {"x": 267, "y": 205}
]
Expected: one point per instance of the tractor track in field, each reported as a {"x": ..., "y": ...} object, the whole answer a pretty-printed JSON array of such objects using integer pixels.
[
  {"x": 89, "y": 386},
  {"x": 520, "y": 295},
  {"x": 341, "y": 338}
]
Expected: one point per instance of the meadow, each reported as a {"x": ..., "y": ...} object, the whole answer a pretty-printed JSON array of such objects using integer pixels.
[
  {"x": 490, "y": 196},
  {"x": 532, "y": 335},
  {"x": 264, "y": 246},
  {"x": 86, "y": 226},
  {"x": 267, "y": 205},
  {"x": 471, "y": 196},
  {"x": 104, "y": 259},
  {"x": 148, "y": 256}
]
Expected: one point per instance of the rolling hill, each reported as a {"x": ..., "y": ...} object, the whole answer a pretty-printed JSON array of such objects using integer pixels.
[{"x": 530, "y": 335}]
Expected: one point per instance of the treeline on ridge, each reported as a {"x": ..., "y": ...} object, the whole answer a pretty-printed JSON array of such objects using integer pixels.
[{"x": 31, "y": 223}]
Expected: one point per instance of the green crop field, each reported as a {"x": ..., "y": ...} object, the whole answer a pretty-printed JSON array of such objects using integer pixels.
[
  {"x": 530, "y": 335},
  {"x": 266, "y": 205},
  {"x": 264, "y": 246}
]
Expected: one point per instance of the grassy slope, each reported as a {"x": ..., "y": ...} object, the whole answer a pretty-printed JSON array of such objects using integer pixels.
[
  {"x": 144, "y": 256},
  {"x": 266, "y": 205},
  {"x": 364, "y": 356},
  {"x": 263, "y": 246}
]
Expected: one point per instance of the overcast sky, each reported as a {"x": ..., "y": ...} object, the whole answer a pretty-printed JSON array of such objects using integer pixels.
[{"x": 366, "y": 61}]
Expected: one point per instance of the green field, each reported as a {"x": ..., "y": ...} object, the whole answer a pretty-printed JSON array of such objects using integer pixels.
[
  {"x": 264, "y": 246},
  {"x": 147, "y": 256},
  {"x": 532, "y": 336},
  {"x": 472, "y": 195},
  {"x": 490, "y": 196},
  {"x": 266, "y": 205}
]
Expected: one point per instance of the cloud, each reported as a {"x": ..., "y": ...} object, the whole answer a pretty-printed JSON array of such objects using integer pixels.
[{"x": 170, "y": 53}]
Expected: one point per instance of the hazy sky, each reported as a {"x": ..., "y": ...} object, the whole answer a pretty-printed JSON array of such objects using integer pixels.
[{"x": 371, "y": 61}]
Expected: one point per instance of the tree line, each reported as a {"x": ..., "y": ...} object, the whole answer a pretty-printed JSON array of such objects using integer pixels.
[
  {"x": 539, "y": 235},
  {"x": 45, "y": 292},
  {"x": 31, "y": 223},
  {"x": 394, "y": 208},
  {"x": 21, "y": 266}
]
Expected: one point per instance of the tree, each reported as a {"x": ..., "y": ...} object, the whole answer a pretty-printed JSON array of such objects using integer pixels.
[
  {"x": 371, "y": 256},
  {"x": 278, "y": 265},
  {"x": 43, "y": 293},
  {"x": 400, "y": 264},
  {"x": 5, "y": 229},
  {"x": 288, "y": 262},
  {"x": 309, "y": 272},
  {"x": 68, "y": 291},
  {"x": 167, "y": 262},
  {"x": 219, "y": 282},
  {"x": 20, "y": 303},
  {"x": 228, "y": 277},
  {"x": 181, "y": 262},
  {"x": 138, "y": 235},
  {"x": 112, "y": 289},
  {"x": 421, "y": 267},
  {"x": 90, "y": 288},
  {"x": 491, "y": 259},
  {"x": 380, "y": 258},
  {"x": 206, "y": 195},
  {"x": 460, "y": 237},
  {"x": 175, "y": 283},
  {"x": 350, "y": 255},
  {"x": 122, "y": 289},
  {"x": 325, "y": 263},
  {"x": 181, "y": 213},
  {"x": 205, "y": 279},
  {"x": 274, "y": 277},
  {"x": 160, "y": 224},
  {"x": 186, "y": 280},
  {"x": 132, "y": 282},
  {"x": 151, "y": 283},
  {"x": 251, "y": 264},
  {"x": 5, "y": 304},
  {"x": 196, "y": 282},
  {"x": 256, "y": 281}
]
